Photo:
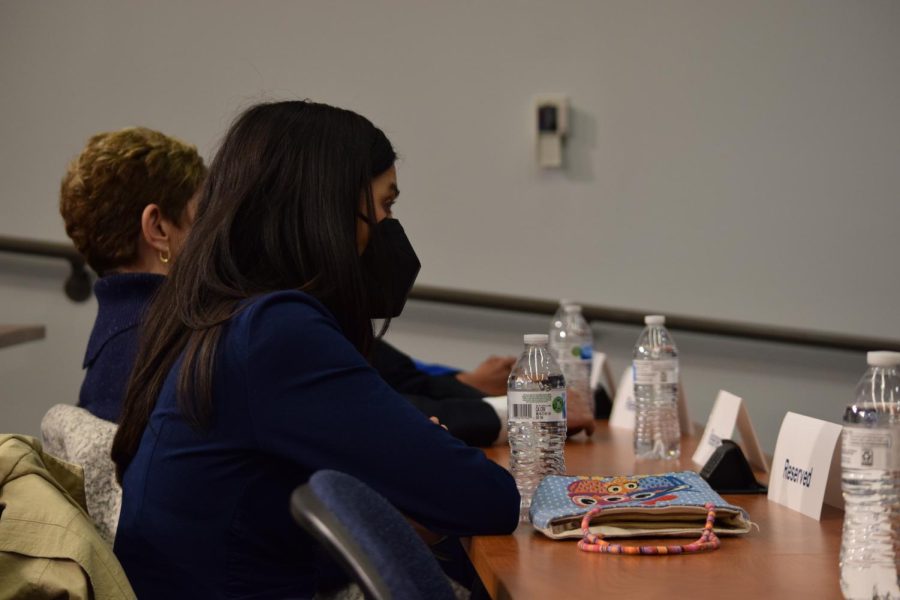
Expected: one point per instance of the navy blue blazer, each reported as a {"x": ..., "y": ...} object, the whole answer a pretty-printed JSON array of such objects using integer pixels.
[
  {"x": 112, "y": 348},
  {"x": 205, "y": 512}
]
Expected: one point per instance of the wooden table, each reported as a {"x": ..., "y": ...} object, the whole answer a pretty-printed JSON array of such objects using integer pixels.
[
  {"x": 18, "y": 334},
  {"x": 789, "y": 556}
]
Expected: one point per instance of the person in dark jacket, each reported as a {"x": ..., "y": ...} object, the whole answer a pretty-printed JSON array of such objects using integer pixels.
[
  {"x": 252, "y": 374},
  {"x": 126, "y": 203}
]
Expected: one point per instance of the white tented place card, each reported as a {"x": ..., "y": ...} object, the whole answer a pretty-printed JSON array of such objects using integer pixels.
[
  {"x": 600, "y": 373},
  {"x": 622, "y": 415},
  {"x": 729, "y": 413},
  {"x": 801, "y": 468}
]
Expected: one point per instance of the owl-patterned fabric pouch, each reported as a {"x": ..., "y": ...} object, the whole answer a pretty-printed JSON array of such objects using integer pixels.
[{"x": 668, "y": 504}]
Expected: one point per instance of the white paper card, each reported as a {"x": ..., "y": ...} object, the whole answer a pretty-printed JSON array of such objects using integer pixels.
[
  {"x": 729, "y": 413},
  {"x": 720, "y": 426},
  {"x": 622, "y": 415},
  {"x": 802, "y": 463},
  {"x": 601, "y": 374},
  {"x": 598, "y": 366}
]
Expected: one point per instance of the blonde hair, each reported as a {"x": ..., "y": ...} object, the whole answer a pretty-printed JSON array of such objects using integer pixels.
[{"x": 106, "y": 188}]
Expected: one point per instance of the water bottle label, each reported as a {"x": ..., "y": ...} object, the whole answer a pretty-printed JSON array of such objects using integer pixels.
[
  {"x": 864, "y": 448},
  {"x": 564, "y": 354},
  {"x": 651, "y": 372},
  {"x": 537, "y": 406}
]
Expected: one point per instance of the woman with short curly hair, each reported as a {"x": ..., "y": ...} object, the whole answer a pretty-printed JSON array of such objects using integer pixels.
[{"x": 126, "y": 201}]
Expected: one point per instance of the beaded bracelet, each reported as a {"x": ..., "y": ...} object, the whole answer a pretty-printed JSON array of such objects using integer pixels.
[{"x": 592, "y": 542}]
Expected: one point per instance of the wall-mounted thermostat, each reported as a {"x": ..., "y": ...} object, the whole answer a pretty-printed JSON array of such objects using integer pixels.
[{"x": 552, "y": 122}]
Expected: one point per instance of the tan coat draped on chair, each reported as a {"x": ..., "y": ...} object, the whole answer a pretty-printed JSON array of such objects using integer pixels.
[{"x": 49, "y": 548}]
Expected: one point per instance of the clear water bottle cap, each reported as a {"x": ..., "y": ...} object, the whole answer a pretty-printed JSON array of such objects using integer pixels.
[
  {"x": 564, "y": 302},
  {"x": 572, "y": 308},
  {"x": 536, "y": 338},
  {"x": 654, "y": 320},
  {"x": 883, "y": 359}
]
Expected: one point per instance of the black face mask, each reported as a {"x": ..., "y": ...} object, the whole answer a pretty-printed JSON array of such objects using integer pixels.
[{"x": 391, "y": 271}]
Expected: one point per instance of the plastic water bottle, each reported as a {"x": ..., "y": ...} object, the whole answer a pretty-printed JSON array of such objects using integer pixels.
[
  {"x": 536, "y": 399},
  {"x": 572, "y": 344},
  {"x": 559, "y": 318},
  {"x": 657, "y": 433},
  {"x": 870, "y": 479}
]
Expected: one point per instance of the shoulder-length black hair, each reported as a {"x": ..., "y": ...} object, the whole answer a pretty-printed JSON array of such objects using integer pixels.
[{"x": 278, "y": 210}]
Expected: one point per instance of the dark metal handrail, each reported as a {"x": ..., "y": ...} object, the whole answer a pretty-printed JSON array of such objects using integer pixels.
[
  {"x": 78, "y": 288},
  {"x": 78, "y": 284},
  {"x": 717, "y": 327}
]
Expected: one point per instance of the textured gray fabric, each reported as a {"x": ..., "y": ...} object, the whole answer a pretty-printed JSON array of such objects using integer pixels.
[{"x": 76, "y": 436}]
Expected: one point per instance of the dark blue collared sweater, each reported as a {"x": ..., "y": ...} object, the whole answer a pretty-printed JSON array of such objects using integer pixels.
[
  {"x": 121, "y": 300},
  {"x": 205, "y": 512}
]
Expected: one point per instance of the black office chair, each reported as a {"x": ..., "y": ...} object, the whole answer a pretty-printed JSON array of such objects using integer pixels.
[{"x": 369, "y": 538}]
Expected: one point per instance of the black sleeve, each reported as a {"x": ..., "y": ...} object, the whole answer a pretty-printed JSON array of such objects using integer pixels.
[
  {"x": 602, "y": 403},
  {"x": 401, "y": 373},
  {"x": 448, "y": 386},
  {"x": 471, "y": 420},
  {"x": 397, "y": 369}
]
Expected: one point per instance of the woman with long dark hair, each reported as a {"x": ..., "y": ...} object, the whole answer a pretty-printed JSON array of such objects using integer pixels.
[{"x": 252, "y": 370}]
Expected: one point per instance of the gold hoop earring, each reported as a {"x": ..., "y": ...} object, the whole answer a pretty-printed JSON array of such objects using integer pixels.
[{"x": 164, "y": 257}]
